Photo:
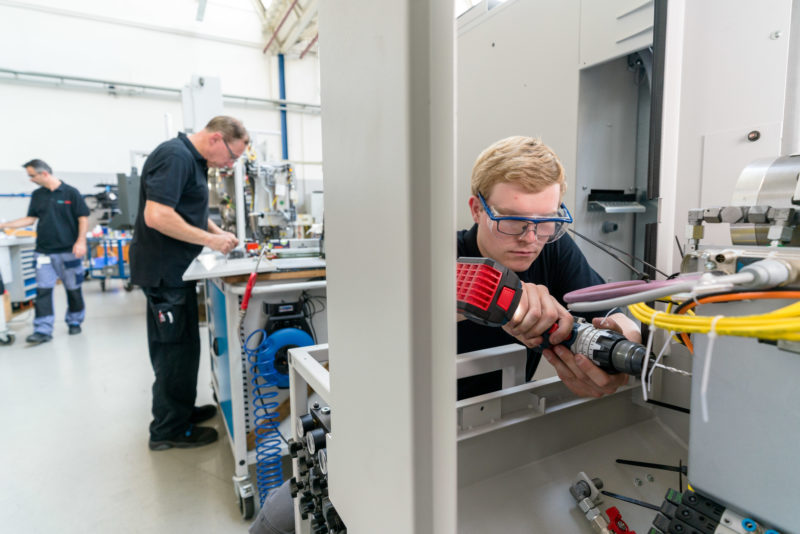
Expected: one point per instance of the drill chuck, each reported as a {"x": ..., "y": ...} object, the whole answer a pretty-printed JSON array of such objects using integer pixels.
[{"x": 610, "y": 350}]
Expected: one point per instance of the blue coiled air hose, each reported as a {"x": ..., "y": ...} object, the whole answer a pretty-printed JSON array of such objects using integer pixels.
[{"x": 264, "y": 384}]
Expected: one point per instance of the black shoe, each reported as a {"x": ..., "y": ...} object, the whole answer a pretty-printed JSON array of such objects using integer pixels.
[
  {"x": 195, "y": 436},
  {"x": 202, "y": 413},
  {"x": 74, "y": 329},
  {"x": 38, "y": 337}
]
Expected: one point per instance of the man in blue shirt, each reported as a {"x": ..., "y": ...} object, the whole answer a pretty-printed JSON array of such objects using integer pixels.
[{"x": 62, "y": 217}]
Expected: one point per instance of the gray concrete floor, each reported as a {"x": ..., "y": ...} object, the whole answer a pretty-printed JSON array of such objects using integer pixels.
[{"x": 74, "y": 414}]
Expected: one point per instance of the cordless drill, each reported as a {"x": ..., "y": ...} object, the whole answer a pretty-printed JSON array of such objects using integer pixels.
[{"x": 488, "y": 293}]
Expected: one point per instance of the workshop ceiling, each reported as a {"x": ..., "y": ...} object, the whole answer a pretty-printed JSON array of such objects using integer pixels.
[{"x": 290, "y": 26}]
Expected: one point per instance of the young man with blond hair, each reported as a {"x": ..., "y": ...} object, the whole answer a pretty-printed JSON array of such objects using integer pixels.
[{"x": 518, "y": 184}]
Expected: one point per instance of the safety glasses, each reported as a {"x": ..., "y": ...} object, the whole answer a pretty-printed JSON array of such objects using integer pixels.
[{"x": 546, "y": 228}]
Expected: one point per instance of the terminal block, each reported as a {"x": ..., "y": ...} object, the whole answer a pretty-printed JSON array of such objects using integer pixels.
[
  {"x": 692, "y": 513},
  {"x": 310, "y": 485}
]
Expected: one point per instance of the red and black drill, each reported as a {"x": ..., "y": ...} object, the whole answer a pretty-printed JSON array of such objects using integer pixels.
[{"x": 488, "y": 293}]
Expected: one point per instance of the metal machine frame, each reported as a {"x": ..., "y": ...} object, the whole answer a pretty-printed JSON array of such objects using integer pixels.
[{"x": 231, "y": 379}]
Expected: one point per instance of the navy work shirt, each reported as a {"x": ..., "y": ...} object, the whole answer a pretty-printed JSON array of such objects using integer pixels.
[
  {"x": 58, "y": 213},
  {"x": 561, "y": 267},
  {"x": 176, "y": 175}
]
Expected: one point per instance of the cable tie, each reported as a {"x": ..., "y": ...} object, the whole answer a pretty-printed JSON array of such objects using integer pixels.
[
  {"x": 658, "y": 360},
  {"x": 647, "y": 353},
  {"x": 712, "y": 336},
  {"x": 607, "y": 314}
]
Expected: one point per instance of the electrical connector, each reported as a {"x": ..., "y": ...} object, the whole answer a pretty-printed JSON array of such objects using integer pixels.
[{"x": 770, "y": 272}]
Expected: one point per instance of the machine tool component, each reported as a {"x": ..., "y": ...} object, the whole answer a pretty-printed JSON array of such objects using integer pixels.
[
  {"x": 310, "y": 487},
  {"x": 586, "y": 493},
  {"x": 614, "y": 201},
  {"x": 762, "y": 210},
  {"x": 692, "y": 513},
  {"x": 489, "y": 293},
  {"x": 609, "y": 350}
]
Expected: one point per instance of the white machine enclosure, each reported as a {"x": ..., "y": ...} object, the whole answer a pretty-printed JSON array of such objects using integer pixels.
[{"x": 395, "y": 461}]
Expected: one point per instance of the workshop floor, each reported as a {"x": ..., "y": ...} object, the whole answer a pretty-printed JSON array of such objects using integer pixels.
[{"x": 73, "y": 433}]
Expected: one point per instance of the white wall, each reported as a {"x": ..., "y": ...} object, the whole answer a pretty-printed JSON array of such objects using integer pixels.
[
  {"x": 83, "y": 131},
  {"x": 508, "y": 60}
]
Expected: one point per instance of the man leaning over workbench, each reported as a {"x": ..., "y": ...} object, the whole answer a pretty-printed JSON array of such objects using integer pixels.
[
  {"x": 517, "y": 177},
  {"x": 63, "y": 219},
  {"x": 172, "y": 226}
]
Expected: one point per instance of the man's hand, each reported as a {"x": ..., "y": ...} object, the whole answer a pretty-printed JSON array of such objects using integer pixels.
[
  {"x": 224, "y": 242},
  {"x": 579, "y": 374},
  {"x": 79, "y": 248},
  {"x": 536, "y": 313}
]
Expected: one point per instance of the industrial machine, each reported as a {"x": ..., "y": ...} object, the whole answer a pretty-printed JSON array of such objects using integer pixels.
[
  {"x": 746, "y": 301},
  {"x": 269, "y": 199},
  {"x": 747, "y": 318},
  {"x": 394, "y": 464}
]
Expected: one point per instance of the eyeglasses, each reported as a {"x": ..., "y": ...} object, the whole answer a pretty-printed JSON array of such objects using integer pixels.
[
  {"x": 233, "y": 156},
  {"x": 546, "y": 229}
]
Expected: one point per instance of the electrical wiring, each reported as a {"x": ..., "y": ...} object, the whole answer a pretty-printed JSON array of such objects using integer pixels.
[
  {"x": 640, "y": 296},
  {"x": 783, "y": 323},
  {"x": 312, "y": 305},
  {"x": 765, "y": 273},
  {"x": 687, "y": 306}
]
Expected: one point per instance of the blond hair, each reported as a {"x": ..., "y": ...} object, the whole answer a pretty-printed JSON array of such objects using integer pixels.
[
  {"x": 521, "y": 160},
  {"x": 230, "y": 128}
]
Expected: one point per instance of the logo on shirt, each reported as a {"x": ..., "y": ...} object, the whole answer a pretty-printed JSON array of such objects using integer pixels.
[{"x": 64, "y": 201}]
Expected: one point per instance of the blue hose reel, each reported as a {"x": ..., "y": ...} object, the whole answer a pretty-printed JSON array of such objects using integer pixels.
[{"x": 269, "y": 371}]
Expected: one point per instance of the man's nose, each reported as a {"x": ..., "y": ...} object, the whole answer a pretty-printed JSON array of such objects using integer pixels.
[{"x": 529, "y": 236}]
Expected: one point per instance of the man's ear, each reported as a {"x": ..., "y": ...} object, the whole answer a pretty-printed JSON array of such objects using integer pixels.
[{"x": 475, "y": 208}]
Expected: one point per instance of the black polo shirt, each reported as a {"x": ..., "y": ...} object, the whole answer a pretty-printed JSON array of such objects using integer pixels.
[
  {"x": 58, "y": 213},
  {"x": 560, "y": 266},
  {"x": 176, "y": 175}
]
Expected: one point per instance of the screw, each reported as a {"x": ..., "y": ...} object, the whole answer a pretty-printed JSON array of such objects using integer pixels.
[
  {"x": 753, "y": 135},
  {"x": 775, "y": 35},
  {"x": 637, "y": 482},
  {"x": 650, "y": 478},
  {"x": 326, "y": 410}
]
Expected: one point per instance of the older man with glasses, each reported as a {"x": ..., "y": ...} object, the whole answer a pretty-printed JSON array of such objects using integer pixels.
[
  {"x": 520, "y": 221},
  {"x": 171, "y": 229}
]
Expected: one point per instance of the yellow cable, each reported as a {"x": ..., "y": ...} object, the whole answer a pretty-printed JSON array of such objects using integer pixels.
[{"x": 783, "y": 323}]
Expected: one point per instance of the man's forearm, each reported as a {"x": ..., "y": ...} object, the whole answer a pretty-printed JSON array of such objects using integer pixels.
[
  {"x": 213, "y": 228},
  {"x": 83, "y": 227},
  {"x": 169, "y": 223},
  {"x": 18, "y": 223}
]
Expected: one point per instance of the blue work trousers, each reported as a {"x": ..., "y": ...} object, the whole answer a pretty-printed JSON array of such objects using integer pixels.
[{"x": 50, "y": 268}]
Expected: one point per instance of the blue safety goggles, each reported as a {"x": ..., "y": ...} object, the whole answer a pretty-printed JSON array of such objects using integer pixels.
[{"x": 546, "y": 229}]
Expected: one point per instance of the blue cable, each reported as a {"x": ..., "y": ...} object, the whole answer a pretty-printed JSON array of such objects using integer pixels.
[{"x": 264, "y": 382}]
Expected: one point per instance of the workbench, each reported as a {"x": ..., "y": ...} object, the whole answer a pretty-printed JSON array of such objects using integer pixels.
[
  {"x": 224, "y": 281},
  {"x": 18, "y": 267}
]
